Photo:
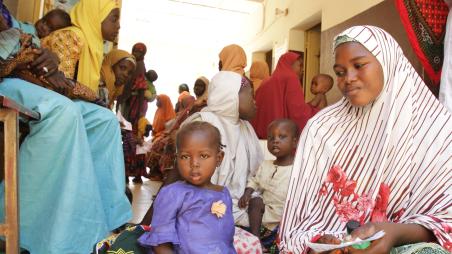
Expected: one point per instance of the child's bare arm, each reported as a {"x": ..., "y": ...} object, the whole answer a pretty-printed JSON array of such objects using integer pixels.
[
  {"x": 316, "y": 101},
  {"x": 243, "y": 201},
  {"x": 323, "y": 102},
  {"x": 164, "y": 248}
]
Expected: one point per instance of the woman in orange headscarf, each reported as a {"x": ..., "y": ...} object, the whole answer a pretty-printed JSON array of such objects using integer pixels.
[
  {"x": 233, "y": 58},
  {"x": 164, "y": 113},
  {"x": 259, "y": 71}
]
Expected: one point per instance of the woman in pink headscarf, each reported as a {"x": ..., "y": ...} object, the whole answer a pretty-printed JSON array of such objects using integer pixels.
[{"x": 281, "y": 96}]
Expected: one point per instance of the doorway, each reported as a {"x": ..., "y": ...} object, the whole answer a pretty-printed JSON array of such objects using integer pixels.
[{"x": 311, "y": 59}]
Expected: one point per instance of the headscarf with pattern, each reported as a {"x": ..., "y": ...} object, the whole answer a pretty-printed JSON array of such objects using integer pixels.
[{"x": 400, "y": 142}]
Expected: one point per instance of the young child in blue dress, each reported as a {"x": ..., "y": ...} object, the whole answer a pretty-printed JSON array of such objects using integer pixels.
[{"x": 194, "y": 215}]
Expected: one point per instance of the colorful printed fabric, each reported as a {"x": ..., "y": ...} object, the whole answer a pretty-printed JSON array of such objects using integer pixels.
[
  {"x": 268, "y": 239},
  {"x": 391, "y": 143},
  {"x": 129, "y": 147},
  {"x": 419, "y": 248},
  {"x": 425, "y": 24},
  {"x": 245, "y": 242},
  {"x": 123, "y": 243},
  {"x": 68, "y": 47}
]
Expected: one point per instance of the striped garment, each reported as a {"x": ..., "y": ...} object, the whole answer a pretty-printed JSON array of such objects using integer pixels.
[{"x": 402, "y": 140}]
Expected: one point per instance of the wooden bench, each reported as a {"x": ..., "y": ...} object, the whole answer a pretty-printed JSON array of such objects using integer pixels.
[{"x": 10, "y": 112}]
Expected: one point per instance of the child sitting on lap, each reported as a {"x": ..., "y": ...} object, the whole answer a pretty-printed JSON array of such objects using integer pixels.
[
  {"x": 266, "y": 192},
  {"x": 54, "y": 20},
  {"x": 19, "y": 51},
  {"x": 320, "y": 85},
  {"x": 194, "y": 215}
]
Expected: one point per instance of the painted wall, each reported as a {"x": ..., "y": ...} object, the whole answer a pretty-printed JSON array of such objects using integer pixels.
[
  {"x": 28, "y": 10},
  {"x": 12, "y": 6}
]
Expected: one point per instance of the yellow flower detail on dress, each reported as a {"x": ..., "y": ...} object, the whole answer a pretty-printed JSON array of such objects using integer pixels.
[
  {"x": 120, "y": 251},
  {"x": 218, "y": 208}
]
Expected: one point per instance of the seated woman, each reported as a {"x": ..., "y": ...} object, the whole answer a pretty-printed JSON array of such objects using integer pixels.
[
  {"x": 164, "y": 113},
  {"x": 365, "y": 158},
  {"x": 117, "y": 67},
  {"x": 70, "y": 165},
  {"x": 281, "y": 96},
  {"x": 163, "y": 151}
]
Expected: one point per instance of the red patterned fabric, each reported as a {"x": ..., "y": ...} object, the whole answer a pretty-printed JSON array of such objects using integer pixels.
[
  {"x": 246, "y": 243},
  {"x": 425, "y": 24}
]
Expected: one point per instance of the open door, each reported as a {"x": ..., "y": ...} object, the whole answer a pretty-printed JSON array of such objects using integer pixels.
[{"x": 311, "y": 59}]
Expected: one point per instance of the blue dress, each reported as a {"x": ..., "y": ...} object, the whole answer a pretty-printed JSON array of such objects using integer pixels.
[
  {"x": 183, "y": 217},
  {"x": 71, "y": 173}
]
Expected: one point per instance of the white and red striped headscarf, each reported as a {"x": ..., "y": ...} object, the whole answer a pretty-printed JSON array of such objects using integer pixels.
[{"x": 402, "y": 139}]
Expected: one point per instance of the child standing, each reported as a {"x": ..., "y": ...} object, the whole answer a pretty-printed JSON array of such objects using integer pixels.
[
  {"x": 194, "y": 215},
  {"x": 320, "y": 85},
  {"x": 266, "y": 192}
]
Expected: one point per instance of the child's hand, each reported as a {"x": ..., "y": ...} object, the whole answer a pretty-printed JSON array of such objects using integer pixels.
[
  {"x": 330, "y": 239},
  {"x": 245, "y": 199}
]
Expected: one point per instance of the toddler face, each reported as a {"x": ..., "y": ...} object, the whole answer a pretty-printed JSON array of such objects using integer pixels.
[
  {"x": 197, "y": 157},
  {"x": 281, "y": 140},
  {"x": 42, "y": 28},
  {"x": 320, "y": 84},
  {"x": 123, "y": 70}
]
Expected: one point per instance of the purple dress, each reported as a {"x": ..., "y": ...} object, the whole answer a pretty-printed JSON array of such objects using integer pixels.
[{"x": 182, "y": 217}]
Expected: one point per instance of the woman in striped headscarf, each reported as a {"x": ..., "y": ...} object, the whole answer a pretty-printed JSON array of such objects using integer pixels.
[{"x": 380, "y": 156}]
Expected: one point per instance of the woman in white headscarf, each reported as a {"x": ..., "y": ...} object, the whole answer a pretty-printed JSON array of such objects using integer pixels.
[{"x": 380, "y": 156}]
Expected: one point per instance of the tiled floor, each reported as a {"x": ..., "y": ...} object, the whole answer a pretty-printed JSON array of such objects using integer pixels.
[{"x": 142, "y": 197}]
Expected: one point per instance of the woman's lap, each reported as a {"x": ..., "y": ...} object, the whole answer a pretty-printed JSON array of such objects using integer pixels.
[
  {"x": 104, "y": 137},
  {"x": 61, "y": 210}
]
